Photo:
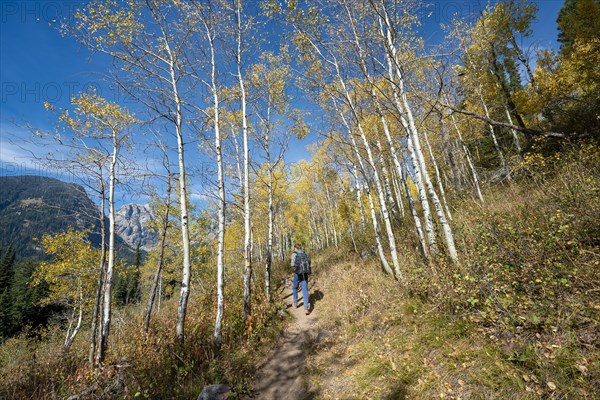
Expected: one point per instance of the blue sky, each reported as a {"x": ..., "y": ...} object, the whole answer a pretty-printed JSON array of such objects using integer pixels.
[{"x": 38, "y": 64}]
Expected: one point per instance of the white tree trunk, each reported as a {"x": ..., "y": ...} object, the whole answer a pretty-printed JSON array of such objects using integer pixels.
[
  {"x": 437, "y": 175},
  {"x": 414, "y": 138},
  {"x": 378, "y": 185},
  {"x": 217, "y": 335},
  {"x": 70, "y": 338},
  {"x": 100, "y": 282},
  {"x": 107, "y": 311},
  {"x": 431, "y": 247},
  {"x": 331, "y": 207},
  {"x": 407, "y": 116},
  {"x": 384, "y": 262},
  {"x": 358, "y": 190},
  {"x": 387, "y": 185},
  {"x": 247, "y": 217},
  {"x": 398, "y": 193},
  {"x": 469, "y": 161},
  {"x": 269, "y": 237},
  {"x": 185, "y": 233},
  {"x": 416, "y": 219}
]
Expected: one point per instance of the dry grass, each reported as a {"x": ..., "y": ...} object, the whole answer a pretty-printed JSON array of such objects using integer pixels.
[
  {"x": 518, "y": 318},
  {"x": 152, "y": 367}
]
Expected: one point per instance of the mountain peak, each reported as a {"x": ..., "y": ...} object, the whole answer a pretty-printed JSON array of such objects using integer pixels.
[{"x": 132, "y": 225}]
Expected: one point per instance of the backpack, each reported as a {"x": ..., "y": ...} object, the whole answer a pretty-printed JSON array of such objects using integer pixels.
[{"x": 302, "y": 263}]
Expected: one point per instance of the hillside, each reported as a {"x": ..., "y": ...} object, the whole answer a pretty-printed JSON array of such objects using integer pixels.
[
  {"x": 518, "y": 318},
  {"x": 444, "y": 180},
  {"x": 31, "y": 206}
]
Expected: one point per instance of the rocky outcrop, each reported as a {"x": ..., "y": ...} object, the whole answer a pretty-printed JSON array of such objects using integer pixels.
[{"x": 132, "y": 226}]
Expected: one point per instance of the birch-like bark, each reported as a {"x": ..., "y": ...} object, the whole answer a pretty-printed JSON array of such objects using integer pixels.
[
  {"x": 247, "y": 233},
  {"x": 69, "y": 339},
  {"x": 415, "y": 215},
  {"x": 365, "y": 71},
  {"x": 469, "y": 161},
  {"x": 358, "y": 191},
  {"x": 406, "y": 113},
  {"x": 437, "y": 175},
  {"x": 384, "y": 262},
  {"x": 387, "y": 185},
  {"x": 331, "y": 207},
  {"x": 238, "y": 162},
  {"x": 390, "y": 55},
  {"x": 171, "y": 62},
  {"x": 378, "y": 185},
  {"x": 325, "y": 223},
  {"x": 106, "y": 309},
  {"x": 185, "y": 233},
  {"x": 315, "y": 228},
  {"x": 217, "y": 336},
  {"x": 398, "y": 193},
  {"x": 100, "y": 282},
  {"x": 384, "y": 209},
  {"x": 270, "y": 209},
  {"x": 414, "y": 138},
  {"x": 270, "y": 236}
]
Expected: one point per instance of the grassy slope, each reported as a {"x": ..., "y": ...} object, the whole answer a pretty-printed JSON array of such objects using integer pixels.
[{"x": 518, "y": 318}]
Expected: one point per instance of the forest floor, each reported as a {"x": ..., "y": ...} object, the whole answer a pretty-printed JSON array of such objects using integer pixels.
[{"x": 283, "y": 372}]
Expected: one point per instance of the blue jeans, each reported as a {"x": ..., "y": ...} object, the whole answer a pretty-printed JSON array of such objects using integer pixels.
[{"x": 303, "y": 279}]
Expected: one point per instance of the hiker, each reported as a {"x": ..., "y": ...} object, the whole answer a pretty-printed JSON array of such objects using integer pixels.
[{"x": 301, "y": 265}]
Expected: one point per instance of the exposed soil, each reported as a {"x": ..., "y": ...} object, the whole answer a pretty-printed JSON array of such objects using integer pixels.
[{"x": 281, "y": 376}]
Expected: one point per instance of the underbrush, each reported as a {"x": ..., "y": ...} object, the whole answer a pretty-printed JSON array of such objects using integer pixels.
[
  {"x": 154, "y": 366},
  {"x": 518, "y": 317}
]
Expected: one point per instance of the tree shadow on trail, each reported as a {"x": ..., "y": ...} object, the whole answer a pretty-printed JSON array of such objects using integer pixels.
[{"x": 315, "y": 296}]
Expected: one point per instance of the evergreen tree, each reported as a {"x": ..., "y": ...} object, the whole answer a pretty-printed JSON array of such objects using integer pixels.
[
  {"x": 578, "y": 19},
  {"x": 6, "y": 266},
  {"x": 27, "y": 311}
]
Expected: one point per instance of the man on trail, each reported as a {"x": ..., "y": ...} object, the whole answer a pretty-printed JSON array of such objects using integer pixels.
[{"x": 301, "y": 265}]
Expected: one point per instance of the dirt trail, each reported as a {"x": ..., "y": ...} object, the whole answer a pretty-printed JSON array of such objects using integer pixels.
[{"x": 281, "y": 376}]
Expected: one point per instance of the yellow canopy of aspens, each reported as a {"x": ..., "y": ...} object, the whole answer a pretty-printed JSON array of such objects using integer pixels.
[{"x": 73, "y": 267}]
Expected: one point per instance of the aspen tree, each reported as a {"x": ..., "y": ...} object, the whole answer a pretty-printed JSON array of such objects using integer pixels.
[
  {"x": 207, "y": 19},
  {"x": 70, "y": 274},
  {"x": 88, "y": 163},
  {"x": 152, "y": 54},
  {"x": 384, "y": 263},
  {"x": 404, "y": 108},
  {"x": 106, "y": 122},
  {"x": 437, "y": 174},
  {"x": 268, "y": 81},
  {"x": 246, "y": 162}
]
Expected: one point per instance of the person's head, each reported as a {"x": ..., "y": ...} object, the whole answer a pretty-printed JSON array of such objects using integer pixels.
[{"x": 298, "y": 246}]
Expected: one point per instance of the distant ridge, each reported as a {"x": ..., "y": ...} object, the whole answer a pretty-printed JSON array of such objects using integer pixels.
[{"x": 31, "y": 206}]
